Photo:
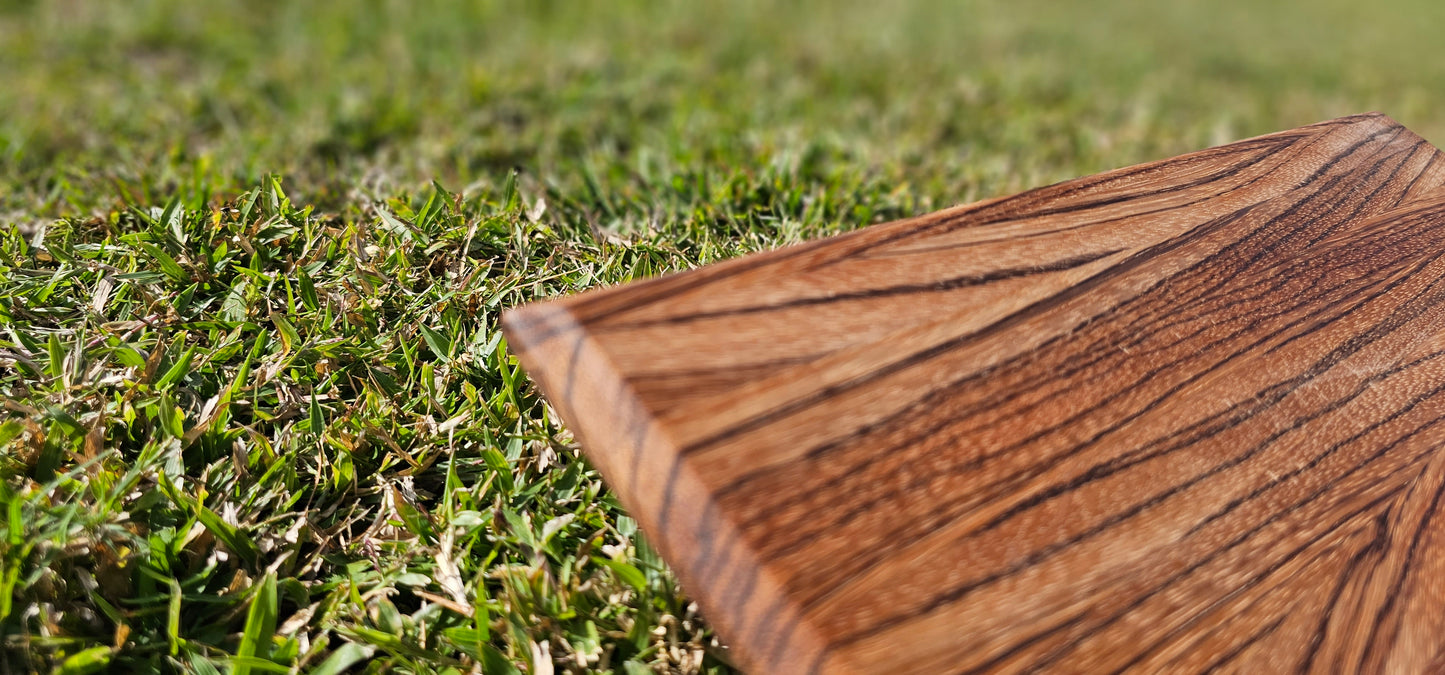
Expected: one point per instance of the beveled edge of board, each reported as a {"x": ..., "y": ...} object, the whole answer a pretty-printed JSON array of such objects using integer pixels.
[{"x": 622, "y": 438}]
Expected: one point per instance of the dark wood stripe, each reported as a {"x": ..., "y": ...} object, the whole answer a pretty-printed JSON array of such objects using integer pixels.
[{"x": 940, "y": 286}]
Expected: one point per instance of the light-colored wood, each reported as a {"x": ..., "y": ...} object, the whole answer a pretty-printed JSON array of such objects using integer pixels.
[{"x": 1178, "y": 417}]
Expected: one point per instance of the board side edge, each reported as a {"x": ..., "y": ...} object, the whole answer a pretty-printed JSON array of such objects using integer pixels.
[{"x": 764, "y": 629}]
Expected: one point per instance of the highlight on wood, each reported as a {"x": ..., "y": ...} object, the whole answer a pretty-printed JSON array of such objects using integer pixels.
[{"x": 1175, "y": 417}]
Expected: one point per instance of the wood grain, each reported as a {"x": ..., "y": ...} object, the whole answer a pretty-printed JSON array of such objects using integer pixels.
[{"x": 1179, "y": 417}]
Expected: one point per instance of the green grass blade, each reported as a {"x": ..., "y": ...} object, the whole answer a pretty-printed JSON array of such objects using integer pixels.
[
  {"x": 260, "y": 627},
  {"x": 345, "y": 656}
]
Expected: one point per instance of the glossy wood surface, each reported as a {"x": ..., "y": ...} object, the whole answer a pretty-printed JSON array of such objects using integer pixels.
[{"x": 1179, "y": 417}]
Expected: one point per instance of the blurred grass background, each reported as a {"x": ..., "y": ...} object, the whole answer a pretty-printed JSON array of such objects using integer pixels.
[
  {"x": 952, "y": 99},
  {"x": 175, "y": 176}
]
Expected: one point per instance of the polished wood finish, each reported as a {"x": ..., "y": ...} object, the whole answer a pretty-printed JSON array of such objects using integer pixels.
[{"x": 1178, "y": 417}]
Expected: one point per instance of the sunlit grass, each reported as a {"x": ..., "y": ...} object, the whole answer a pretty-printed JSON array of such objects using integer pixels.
[{"x": 258, "y": 414}]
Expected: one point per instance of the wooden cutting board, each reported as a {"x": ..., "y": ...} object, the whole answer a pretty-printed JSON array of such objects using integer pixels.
[{"x": 1177, "y": 417}]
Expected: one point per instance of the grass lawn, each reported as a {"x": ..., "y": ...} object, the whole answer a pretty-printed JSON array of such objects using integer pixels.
[{"x": 257, "y": 415}]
